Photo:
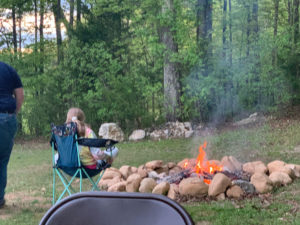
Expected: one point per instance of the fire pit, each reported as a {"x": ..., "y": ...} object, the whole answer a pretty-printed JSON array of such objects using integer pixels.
[{"x": 201, "y": 177}]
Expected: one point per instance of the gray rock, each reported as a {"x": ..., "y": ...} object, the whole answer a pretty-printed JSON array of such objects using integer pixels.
[{"x": 245, "y": 185}]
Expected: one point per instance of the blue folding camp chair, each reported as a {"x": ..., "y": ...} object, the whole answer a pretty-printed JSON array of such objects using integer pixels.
[{"x": 65, "y": 141}]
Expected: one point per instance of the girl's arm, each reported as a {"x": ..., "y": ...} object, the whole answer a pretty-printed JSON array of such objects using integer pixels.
[{"x": 97, "y": 153}]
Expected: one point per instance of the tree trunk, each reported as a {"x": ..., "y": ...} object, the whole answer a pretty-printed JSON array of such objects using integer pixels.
[
  {"x": 276, "y": 6},
  {"x": 20, "y": 31},
  {"x": 71, "y": 13},
  {"x": 15, "y": 44},
  {"x": 201, "y": 28},
  {"x": 296, "y": 39},
  {"x": 290, "y": 13},
  {"x": 42, "y": 10},
  {"x": 255, "y": 20},
  {"x": 171, "y": 75},
  {"x": 78, "y": 16},
  {"x": 224, "y": 29},
  {"x": 57, "y": 18},
  {"x": 204, "y": 31},
  {"x": 296, "y": 21},
  {"x": 256, "y": 59},
  {"x": 255, "y": 34},
  {"x": 208, "y": 23},
  {"x": 248, "y": 30},
  {"x": 230, "y": 34},
  {"x": 274, "y": 53},
  {"x": 35, "y": 34}
]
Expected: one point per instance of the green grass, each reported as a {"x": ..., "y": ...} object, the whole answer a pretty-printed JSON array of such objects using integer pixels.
[{"x": 29, "y": 189}]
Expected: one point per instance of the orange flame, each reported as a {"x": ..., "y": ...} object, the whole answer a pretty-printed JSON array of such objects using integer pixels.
[
  {"x": 205, "y": 166},
  {"x": 185, "y": 165},
  {"x": 207, "y": 181}
]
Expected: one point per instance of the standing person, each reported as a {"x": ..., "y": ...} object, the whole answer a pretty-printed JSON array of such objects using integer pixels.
[{"x": 11, "y": 100}]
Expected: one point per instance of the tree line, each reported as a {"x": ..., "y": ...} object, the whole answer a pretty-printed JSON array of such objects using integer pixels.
[{"x": 141, "y": 63}]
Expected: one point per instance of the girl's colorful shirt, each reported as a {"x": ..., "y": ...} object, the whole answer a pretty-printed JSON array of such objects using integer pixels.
[{"x": 86, "y": 157}]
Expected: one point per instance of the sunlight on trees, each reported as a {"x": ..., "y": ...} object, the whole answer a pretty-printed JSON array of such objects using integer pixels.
[{"x": 141, "y": 63}]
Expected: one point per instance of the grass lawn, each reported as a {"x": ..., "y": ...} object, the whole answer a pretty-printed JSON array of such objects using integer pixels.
[{"x": 29, "y": 188}]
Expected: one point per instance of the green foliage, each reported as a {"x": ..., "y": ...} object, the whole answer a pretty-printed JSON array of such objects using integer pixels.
[{"x": 113, "y": 64}]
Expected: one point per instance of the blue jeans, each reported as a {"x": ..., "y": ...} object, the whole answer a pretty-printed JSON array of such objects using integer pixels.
[{"x": 8, "y": 128}]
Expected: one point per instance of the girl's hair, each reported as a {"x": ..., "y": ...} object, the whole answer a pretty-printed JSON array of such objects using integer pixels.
[{"x": 77, "y": 116}]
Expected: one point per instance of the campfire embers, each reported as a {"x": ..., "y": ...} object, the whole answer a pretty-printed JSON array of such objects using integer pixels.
[
  {"x": 201, "y": 177},
  {"x": 208, "y": 168},
  {"x": 207, "y": 177},
  {"x": 175, "y": 178}
]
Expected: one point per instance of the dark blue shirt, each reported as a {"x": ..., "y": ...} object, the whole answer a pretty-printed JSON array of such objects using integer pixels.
[{"x": 9, "y": 81}]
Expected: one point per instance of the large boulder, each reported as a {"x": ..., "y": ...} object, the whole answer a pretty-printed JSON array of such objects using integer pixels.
[
  {"x": 162, "y": 188},
  {"x": 111, "y": 131},
  {"x": 235, "y": 191},
  {"x": 280, "y": 178},
  {"x": 137, "y": 135},
  {"x": 276, "y": 165},
  {"x": 173, "y": 191},
  {"x": 111, "y": 173},
  {"x": 155, "y": 164},
  {"x": 157, "y": 135},
  {"x": 193, "y": 186},
  {"x": 147, "y": 185},
  {"x": 219, "y": 184},
  {"x": 118, "y": 187},
  {"x": 246, "y": 186},
  {"x": 295, "y": 168},
  {"x": 105, "y": 184},
  {"x": 231, "y": 163},
  {"x": 255, "y": 167},
  {"x": 126, "y": 171},
  {"x": 262, "y": 183},
  {"x": 142, "y": 171},
  {"x": 133, "y": 182},
  {"x": 173, "y": 130}
]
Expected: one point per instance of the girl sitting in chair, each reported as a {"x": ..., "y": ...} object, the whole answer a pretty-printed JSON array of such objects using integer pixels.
[{"x": 90, "y": 157}]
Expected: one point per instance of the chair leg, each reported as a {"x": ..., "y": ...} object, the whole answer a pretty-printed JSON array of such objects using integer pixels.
[
  {"x": 99, "y": 178},
  {"x": 67, "y": 186},
  {"x": 53, "y": 188},
  {"x": 67, "y": 181},
  {"x": 95, "y": 184},
  {"x": 80, "y": 185},
  {"x": 91, "y": 180}
]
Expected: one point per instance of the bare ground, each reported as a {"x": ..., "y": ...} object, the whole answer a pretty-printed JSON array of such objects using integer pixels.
[{"x": 18, "y": 201}]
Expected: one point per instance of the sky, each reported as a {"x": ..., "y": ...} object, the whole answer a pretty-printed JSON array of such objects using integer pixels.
[{"x": 27, "y": 25}]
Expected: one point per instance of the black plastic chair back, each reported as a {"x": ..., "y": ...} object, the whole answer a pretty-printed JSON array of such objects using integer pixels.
[{"x": 116, "y": 208}]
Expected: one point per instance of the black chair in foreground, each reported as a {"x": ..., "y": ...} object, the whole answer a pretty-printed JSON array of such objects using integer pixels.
[{"x": 116, "y": 208}]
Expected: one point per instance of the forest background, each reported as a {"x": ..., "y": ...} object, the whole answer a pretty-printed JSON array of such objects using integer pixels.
[{"x": 142, "y": 63}]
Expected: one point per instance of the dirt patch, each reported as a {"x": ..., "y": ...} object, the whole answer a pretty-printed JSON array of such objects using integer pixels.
[
  {"x": 203, "y": 223},
  {"x": 296, "y": 149},
  {"x": 23, "y": 196},
  {"x": 18, "y": 201},
  {"x": 36, "y": 143}
]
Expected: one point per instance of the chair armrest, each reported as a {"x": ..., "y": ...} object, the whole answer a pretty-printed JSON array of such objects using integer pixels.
[{"x": 96, "y": 142}]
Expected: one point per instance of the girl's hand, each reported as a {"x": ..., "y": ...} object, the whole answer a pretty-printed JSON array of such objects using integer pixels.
[{"x": 109, "y": 160}]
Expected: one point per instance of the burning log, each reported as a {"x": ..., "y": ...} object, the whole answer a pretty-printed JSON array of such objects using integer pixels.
[
  {"x": 176, "y": 178},
  {"x": 237, "y": 175}
]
